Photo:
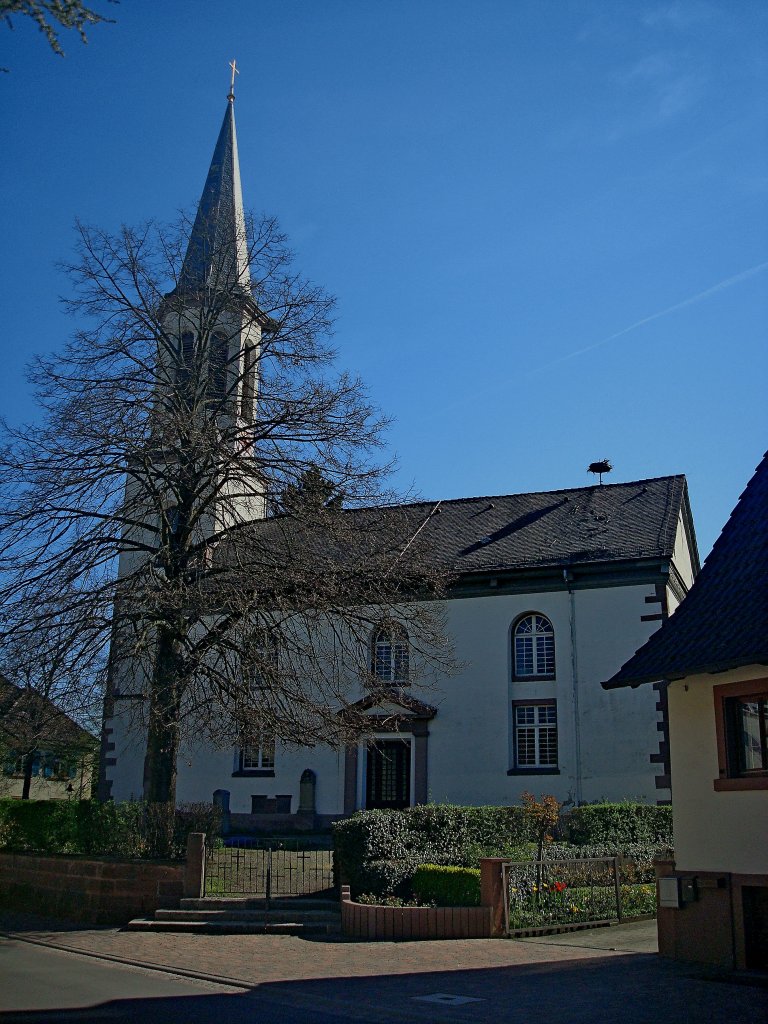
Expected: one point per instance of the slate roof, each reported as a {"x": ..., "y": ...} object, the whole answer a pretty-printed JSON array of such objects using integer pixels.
[
  {"x": 723, "y": 621},
  {"x": 217, "y": 245},
  {"x": 554, "y": 528},
  {"x": 499, "y": 533}
]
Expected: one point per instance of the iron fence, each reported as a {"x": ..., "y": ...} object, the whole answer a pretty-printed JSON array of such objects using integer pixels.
[
  {"x": 268, "y": 868},
  {"x": 543, "y": 893}
]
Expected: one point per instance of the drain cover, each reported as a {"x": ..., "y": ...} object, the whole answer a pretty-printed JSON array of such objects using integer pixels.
[{"x": 445, "y": 999}]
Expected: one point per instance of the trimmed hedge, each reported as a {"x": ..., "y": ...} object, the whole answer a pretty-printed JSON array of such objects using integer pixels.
[
  {"x": 134, "y": 830},
  {"x": 379, "y": 851},
  {"x": 618, "y": 824},
  {"x": 447, "y": 886},
  {"x": 637, "y": 858}
]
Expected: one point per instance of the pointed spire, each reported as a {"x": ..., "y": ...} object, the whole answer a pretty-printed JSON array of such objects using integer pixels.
[{"x": 217, "y": 254}]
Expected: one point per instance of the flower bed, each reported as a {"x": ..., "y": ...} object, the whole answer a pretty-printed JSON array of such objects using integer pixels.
[{"x": 374, "y": 921}]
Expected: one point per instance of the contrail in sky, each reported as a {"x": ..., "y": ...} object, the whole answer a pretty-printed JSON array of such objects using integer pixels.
[
  {"x": 719, "y": 287},
  {"x": 727, "y": 282}
]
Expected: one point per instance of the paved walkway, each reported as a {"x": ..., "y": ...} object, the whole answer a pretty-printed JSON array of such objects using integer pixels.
[
  {"x": 604, "y": 975},
  {"x": 259, "y": 959}
]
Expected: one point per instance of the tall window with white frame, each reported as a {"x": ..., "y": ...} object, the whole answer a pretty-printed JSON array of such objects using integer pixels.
[
  {"x": 391, "y": 654},
  {"x": 533, "y": 648},
  {"x": 535, "y": 734}
]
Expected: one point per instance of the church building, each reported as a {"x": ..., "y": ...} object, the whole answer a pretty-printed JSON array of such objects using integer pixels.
[{"x": 551, "y": 593}]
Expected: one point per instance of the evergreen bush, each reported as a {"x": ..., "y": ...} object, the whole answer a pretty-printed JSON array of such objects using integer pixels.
[
  {"x": 618, "y": 824},
  {"x": 378, "y": 851},
  {"x": 447, "y": 886}
]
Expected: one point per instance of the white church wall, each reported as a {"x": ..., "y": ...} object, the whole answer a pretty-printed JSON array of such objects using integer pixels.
[
  {"x": 617, "y": 729},
  {"x": 604, "y": 744}
]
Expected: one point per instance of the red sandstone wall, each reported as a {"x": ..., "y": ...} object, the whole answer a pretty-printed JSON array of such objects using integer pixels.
[
  {"x": 374, "y": 922},
  {"x": 92, "y": 891}
]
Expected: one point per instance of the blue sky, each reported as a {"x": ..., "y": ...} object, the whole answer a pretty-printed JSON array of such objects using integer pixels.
[{"x": 545, "y": 221}]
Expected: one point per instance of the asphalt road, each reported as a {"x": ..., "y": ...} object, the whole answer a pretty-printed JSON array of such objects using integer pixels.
[{"x": 40, "y": 985}]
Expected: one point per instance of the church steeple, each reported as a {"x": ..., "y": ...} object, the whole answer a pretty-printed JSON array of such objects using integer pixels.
[{"x": 217, "y": 254}]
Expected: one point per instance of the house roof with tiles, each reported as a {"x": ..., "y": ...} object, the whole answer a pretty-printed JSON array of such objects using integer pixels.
[{"x": 723, "y": 622}]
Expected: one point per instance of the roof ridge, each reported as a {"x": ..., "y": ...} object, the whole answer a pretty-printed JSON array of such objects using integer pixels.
[{"x": 519, "y": 494}]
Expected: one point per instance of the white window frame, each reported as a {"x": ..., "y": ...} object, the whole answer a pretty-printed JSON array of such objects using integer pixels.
[
  {"x": 541, "y": 640},
  {"x": 537, "y": 728},
  {"x": 257, "y": 756},
  {"x": 392, "y": 667}
]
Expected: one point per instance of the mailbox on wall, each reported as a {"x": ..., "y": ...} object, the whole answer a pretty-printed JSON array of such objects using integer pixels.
[
  {"x": 669, "y": 893},
  {"x": 675, "y": 892}
]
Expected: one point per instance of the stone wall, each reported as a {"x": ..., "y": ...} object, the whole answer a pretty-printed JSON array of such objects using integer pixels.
[{"x": 91, "y": 890}]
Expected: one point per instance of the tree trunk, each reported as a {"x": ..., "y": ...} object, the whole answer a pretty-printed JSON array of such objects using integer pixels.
[
  {"x": 29, "y": 760},
  {"x": 163, "y": 732}
]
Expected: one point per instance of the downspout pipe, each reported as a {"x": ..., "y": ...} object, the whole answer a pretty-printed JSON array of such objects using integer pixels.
[{"x": 568, "y": 580}]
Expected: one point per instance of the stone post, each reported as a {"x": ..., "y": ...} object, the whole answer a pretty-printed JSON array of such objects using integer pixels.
[
  {"x": 492, "y": 892},
  {"x": 221, "y": 800},
  {"x": 194, "y": 869}
]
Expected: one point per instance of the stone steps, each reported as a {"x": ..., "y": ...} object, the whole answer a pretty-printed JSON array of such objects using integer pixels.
[
  {"x": 149, "y": 924},
  {"x": 296, "y": 904},
  {"x": 245, "y": 916}
]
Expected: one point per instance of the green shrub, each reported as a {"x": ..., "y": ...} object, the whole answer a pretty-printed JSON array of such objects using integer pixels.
[
  {"x": 618, "y": 824},
  {"x": 109, "y": 829},
  {"x": 447, "y": 886},
  {"x": 378, "y": 851}
]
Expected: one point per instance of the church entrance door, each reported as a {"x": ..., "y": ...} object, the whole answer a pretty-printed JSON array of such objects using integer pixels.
[{"x": 388, "y": 774}]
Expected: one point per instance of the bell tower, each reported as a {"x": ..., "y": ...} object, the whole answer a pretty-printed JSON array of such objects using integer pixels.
[
  {"x": 212, "y": 325},
  {"x": 206, "y": 390}
]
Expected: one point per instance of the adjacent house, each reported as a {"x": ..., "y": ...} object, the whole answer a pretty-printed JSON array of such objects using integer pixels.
[
  {"x": 45, "y": 754},
  {"x": 713, "y": 656}
]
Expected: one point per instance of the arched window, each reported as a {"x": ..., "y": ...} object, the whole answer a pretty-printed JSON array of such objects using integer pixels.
[
  {"x": 390, "y": 654},
  {"x": 533, "y": 648}
]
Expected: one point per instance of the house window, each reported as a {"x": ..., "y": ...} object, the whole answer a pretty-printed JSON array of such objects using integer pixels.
[
  {"x": 257, "y": 758},
  {"x": 45, "y": 765},
  {"x": 533, "y": 648},
  {"x": 259, "y": 755},
  {"x": 535, "y": 734},
  {"x": 741, "y": 725},
  {"x": 391, "y": 654}
]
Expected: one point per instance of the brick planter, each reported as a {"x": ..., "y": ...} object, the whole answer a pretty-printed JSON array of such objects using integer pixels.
[
  {"x": 93, "y": 890},
  {"x": 364, "y": 921}
]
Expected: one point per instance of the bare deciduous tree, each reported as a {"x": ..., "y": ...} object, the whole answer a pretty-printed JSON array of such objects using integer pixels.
[
  {"x": 51, "y": 16},
  {"x": 180, "y": 408}
]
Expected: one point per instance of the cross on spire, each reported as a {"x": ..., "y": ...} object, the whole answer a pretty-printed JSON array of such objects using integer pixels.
[{"x": 235, "y": 71}]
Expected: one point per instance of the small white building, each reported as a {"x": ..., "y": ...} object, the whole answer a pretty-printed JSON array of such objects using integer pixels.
[{"x": 551, "y": 592}]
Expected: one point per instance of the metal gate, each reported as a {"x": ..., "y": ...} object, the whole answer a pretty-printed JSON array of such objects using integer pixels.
[{"x": 269, "y": 868}]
